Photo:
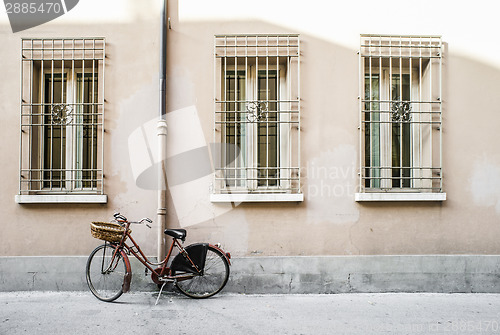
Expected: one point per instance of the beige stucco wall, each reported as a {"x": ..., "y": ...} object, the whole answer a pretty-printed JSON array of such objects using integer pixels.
[
  {"x": 131, "y": 81},
  {"x": 329, "y": 221}
]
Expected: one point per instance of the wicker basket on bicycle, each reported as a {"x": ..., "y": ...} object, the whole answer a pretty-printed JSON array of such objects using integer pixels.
[{"x": 111, "y": 232}]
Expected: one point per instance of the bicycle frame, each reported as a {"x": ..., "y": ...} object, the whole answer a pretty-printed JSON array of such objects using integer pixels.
[
  {"x": 164, "y": 273},
  {"x": 197, "y": 270}
]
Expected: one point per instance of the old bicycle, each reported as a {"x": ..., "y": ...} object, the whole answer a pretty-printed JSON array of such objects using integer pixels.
[{"x": 199, "y": 270}]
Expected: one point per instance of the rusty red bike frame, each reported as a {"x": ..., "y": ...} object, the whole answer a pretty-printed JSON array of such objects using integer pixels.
[{"x": 161, "y": 273}]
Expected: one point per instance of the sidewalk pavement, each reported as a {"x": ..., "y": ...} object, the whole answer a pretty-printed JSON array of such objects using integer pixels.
[{"x": 136, "y": 313}]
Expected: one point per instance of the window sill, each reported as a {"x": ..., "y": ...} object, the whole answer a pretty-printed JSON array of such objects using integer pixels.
[
  {"x": 62, "y": 199},
  {"x": 360, "y": 197},
  {"x": 276, "y": 197}
]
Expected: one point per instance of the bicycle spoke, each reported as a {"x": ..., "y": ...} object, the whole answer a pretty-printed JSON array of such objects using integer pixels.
[
  {"x": 105, "y": 273},
  {"x": 214, "y": 278}
]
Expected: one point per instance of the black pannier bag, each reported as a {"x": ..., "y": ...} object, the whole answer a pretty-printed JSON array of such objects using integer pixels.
[{"x": 197, "y": 252}]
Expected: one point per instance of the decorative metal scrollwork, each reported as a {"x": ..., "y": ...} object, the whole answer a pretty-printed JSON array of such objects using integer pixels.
[
  {"x": 401, "y": 111},
  {"x": 62, "y": 114},
  {"x": 256, "y": 111}
]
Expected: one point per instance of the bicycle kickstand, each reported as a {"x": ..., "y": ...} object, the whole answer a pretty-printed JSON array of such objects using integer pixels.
[{"x": 159, "y": 294}]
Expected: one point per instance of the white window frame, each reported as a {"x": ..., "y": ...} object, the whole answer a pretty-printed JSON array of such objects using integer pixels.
[
  {"x": 385, "y": 129},
  {"x": 73, "y": 142},
  {"x": 381, "y": 53},
  {"x": 256, "y": 54},
  {"x": 69, "y": 59},
  {"x": 249, "y": 157}
]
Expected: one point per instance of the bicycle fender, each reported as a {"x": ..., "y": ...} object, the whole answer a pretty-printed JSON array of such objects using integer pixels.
[
  {"x": 128, "y": 275},
  {"x": 227, "y": 255}
]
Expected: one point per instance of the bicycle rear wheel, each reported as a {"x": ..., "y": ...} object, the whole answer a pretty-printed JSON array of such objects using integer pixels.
[
  {"x": 105, "y": 274},
  {"x": 213, "y": 279}
]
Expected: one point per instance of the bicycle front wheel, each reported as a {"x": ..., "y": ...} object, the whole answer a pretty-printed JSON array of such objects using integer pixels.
[
  {"x": 213, "y": 279},
  {"x": 105, "y": 273}
]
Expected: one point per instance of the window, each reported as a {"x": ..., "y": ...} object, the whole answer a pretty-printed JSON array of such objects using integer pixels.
[
  {"x": 62, "y": 109},
  {"x": 257, "y": 116},
  {"x": 401, "y": 117}
]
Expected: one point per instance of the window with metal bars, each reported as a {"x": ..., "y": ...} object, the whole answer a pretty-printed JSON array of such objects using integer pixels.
[
  {"x": 62, "y": 105},
  {"x": 401, "y": 113},
  {"x": 257, "y": 113}
]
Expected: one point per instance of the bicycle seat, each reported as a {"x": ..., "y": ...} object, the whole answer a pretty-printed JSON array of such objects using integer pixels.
[{"x": 176, "y": 233}]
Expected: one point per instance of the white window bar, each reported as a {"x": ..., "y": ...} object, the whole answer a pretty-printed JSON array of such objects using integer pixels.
[
  {"x": 400, "y": 113},
  {"x": 257, "y": 113},
  {"x": 62, "y": 106}
]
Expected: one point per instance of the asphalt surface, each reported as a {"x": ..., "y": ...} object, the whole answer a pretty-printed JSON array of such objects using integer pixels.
[{"x": 136, "y": 313}]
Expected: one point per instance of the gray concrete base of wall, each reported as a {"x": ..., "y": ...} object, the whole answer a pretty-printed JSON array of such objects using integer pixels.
[{"x": 282, "y": 275}]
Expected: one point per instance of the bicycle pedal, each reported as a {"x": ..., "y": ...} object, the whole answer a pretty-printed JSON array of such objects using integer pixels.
[{"x": 166, "y": 280}]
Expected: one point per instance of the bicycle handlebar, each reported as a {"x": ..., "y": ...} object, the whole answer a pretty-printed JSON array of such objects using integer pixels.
[
  {"x": 147, "y": 220},
  {"x": 120, "y": 218}
]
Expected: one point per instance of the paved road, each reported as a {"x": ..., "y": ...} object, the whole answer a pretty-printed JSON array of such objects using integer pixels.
[{"x": 136, "y": 313}]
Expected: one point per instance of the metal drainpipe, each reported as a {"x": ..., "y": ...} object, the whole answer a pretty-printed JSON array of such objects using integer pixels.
[{"x": 162, "y": 137}]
